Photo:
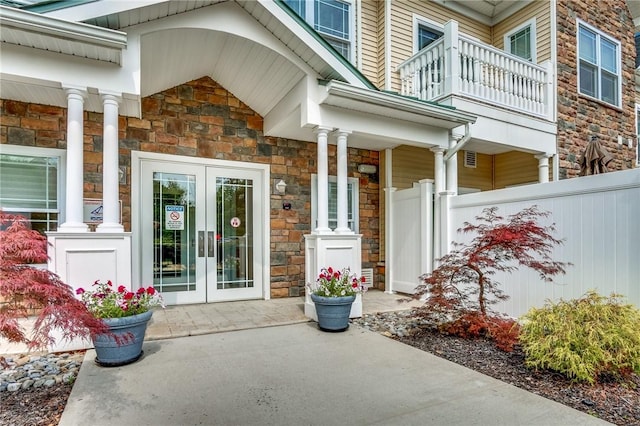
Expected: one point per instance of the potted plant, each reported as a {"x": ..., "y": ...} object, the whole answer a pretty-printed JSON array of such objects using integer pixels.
[
  {"x": 333, "y": 294},
  {"x": 126, "y": 313}
]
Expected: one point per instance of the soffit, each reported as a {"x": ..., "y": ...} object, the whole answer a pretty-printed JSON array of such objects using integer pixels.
[
  {"x": 54, "y": 35},
  {"x": 489, "y": 12}
]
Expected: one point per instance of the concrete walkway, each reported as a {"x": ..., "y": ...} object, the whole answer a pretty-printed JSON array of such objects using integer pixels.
[{"x": 263, "y": 363}]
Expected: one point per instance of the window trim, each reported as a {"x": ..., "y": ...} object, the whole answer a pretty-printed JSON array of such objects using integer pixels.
[
  {"x": 533, "y": 35},
  {"x": 60, "y": 154},
  {"x": 421, "y": 21},
  {"x": 310, "y": 18},
  {"x": 599, "y": 35},
  {"x": 355, "y": 200}
]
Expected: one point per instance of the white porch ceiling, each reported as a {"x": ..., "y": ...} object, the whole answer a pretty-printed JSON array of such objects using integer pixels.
[
  {"x": 245, "y": 68},
  {"x": 489, "y": 12}
]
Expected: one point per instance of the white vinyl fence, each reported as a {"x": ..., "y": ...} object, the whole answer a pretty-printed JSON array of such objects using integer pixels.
[{"x": 597, "y": 216}]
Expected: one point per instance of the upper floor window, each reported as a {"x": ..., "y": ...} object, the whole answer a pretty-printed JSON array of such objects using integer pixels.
[
  {"x": 30, "y": 184},
  {"x": 426, "y": 36},
  {"x": 331, "y": 18},
  {"x": 599, "y": 68},
  {"x": 521, "y": 41}
]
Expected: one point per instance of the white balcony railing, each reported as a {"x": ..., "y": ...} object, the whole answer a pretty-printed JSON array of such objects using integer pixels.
[{"x": 456, "y": 64}]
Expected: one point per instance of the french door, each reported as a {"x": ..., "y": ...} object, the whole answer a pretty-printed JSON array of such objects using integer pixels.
[{"x": 201, "y": 238}]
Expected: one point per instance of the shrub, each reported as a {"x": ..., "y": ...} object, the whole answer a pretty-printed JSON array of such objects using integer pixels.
[
  {"x": 22, "y": 286},
  {"x": 461, "y": 290},
  {"x": 502, "y": 330},
  {"x": 584, "y": 338}
]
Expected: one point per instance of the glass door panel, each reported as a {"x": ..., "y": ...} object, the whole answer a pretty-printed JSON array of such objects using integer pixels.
[
  {"x": 231, "y": 208},
  {"x": 174, "y": 239},
  {"x": 173, "y": 198}
]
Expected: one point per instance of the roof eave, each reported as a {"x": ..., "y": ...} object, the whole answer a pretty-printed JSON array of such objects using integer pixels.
[{"x": 61, "y": 29}]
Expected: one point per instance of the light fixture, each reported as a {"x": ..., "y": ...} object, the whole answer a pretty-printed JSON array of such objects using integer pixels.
[
  {"x": 367, "y": 168},
  {"x": 281, "y": 187}
]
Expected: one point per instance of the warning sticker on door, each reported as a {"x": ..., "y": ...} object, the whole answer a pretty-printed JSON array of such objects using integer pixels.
[
  {"x": 235, "y": 222},
  {"x": 174, "y": 218}
]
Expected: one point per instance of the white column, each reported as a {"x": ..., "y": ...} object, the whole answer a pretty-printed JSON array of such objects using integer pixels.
[
  {"x": 323, "y": 181},
  {"x": 75, "y": 163},
  {"x": 343, "y": 206},
  {"x": 110, "y": 181},
  {"x": 452, "y": 170},
  {"x": 543, "y": 167},
  {"x": 438, "y": 175},
  {"x": 439, "y": 187}
]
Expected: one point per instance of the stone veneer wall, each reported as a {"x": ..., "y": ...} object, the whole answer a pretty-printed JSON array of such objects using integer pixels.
[
  {"x": 580, "y": 117},
  {"x": 202, "y": 119}
]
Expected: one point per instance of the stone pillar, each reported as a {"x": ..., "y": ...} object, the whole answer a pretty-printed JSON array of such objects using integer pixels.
[
  {"x": 543, "y": 167},
  {"x": 110, "y": 181},
  {"x": 75, "y": 162},
  {"x": 343, "y": 206},
  {"x": 323, "y": 181}
]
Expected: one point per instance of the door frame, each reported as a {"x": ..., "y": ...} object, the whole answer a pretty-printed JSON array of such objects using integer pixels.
[{"x": 138, "y": 157}]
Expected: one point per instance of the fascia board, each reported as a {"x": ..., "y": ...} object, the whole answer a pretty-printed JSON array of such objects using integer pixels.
[
  {"x": 59, "y": 28},
  {"x": 397, "y": 103},
  {"x": 96, "y": 9}
]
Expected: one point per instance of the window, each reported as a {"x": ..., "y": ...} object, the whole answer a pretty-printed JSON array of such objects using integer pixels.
[
  {"x": 352, "y": 203},
  {"x": 331, "y": 18},
  {"x": 426, "y": 36},
  {"x": 31, "y": 184},
  {"x": 638, "y": 134},
  {"x": 425, "y": 32},
  {"x": 599, "y": 66},
  {"x": 521, "y": 41}
]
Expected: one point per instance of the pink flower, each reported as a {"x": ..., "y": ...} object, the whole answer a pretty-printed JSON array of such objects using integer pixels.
[
  {"x": 122, "y": 289},
  {"x": 151, "y": 291},
  {"x": 129, "y": 296},
  {"x": 140, "y": 291},
  {"x": 80, "y": 290}
]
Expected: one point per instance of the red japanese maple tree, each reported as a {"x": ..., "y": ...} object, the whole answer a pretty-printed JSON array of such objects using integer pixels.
[
  {"x": 461, "y": 288},
  {"x": 23, "y": 286}
]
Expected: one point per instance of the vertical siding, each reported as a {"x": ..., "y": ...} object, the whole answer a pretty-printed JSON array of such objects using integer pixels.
[
  {"x": 370, "y": 32},
  {"x": 402, "y": 29},
  {"x": 515, "y": 168},
  {"x": 597, "y": 218},
  {"x": 541, "y": 10}
]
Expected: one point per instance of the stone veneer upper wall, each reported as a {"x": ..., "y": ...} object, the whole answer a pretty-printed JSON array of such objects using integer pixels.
[
  {"x": 580, "y": 117},
  {"x": 202, "y": 119}
]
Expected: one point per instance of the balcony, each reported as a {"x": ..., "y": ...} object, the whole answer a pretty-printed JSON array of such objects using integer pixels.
[{"x": 458, "y": 66}]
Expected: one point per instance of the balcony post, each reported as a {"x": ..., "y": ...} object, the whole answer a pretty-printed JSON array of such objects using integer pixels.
[
  {"x": 550, "y": 92},
  {"x": 451, "y": 61}
]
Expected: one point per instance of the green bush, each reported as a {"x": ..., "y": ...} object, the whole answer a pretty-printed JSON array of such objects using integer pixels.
[{"x": 584, "y": 338}]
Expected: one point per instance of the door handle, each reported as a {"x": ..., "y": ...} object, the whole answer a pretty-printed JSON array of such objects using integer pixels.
[
  {"x": 211, "y": 237},
  {"x": 200, "y": 243}
]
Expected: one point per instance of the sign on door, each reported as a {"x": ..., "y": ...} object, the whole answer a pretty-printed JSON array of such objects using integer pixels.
[{"x": 174, "y": 218}]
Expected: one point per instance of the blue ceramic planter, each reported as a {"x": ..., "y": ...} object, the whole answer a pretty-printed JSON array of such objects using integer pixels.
[
  {"x": 131, "y": 330},
  {"x": 333, "y": 312}
]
